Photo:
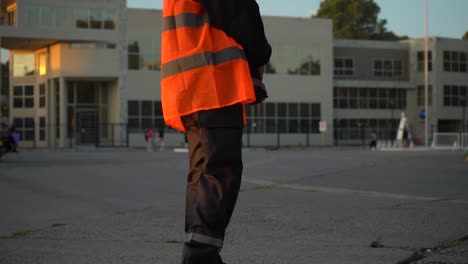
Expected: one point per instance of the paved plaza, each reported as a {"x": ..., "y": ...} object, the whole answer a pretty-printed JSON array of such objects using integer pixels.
[{"x": 321, "y": 206}]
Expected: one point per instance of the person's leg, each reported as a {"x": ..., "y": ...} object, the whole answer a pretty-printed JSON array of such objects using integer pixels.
[{"x": 213, "y": 185}]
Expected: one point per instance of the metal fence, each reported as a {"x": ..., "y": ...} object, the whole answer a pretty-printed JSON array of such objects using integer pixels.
[
  {"x": 99, "y": 135},
  {"x": 118, "y": 135},
  {"x": 362, "y": 135},
  {"x": 58, "y": 135}
]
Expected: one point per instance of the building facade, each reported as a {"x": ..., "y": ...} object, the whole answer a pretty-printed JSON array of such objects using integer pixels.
[
  {"x": 371, "y": 83},
  {"x": 87, "y": 73},
  {"x": 67, "y": 70}
]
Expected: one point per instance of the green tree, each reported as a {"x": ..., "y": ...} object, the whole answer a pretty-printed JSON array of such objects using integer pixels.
[
  {"x": 5, "y": 88},
  {"x": 356, "y": 19},
  {"x": 466, "y": 35}
]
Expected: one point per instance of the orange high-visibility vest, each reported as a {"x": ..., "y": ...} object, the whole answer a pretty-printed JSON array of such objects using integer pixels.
[{"x": 202, "y": 67}]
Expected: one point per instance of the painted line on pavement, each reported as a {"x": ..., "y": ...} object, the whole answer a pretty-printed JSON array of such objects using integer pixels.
[{"x": 310, "y": 188}]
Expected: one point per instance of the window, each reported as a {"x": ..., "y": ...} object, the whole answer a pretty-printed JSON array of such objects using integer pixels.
[
  {"x": 144, "y": 53},
  {"x": 42, "y": 64},
  {"x": 387, "y": 68},
  {"x": 353, "y": 98},
  {"x": 23, "y": 96},
  {"x": 373, "y": 98},
  {"x": 42, "y": 129},
  {"x": 82, "y": 18},
  {"x": 23, "y": 65},
  {"x": 108, "y": 19},
  {"x": 11, "y": 10},
  {"x": 147, "y": 118},
  {"x": 295, "y": 60},
  {"x": 308, "y": 66},
  {"x": 57, "y": 109},
  {"x": 401, "y": 99},
  {"x": 397, "y": 68},
  {"x": 378, "y": 68},
  {"x": 293, "y": 115},
  {"x": 25, "y": 127},
  {"x": 421, "y": 60},
  {"x": 42, "y": 95},
  {"x": 383, "y": 99},
  {"x": 47, "y": 18},
  {"x": 92, "y": 45},
  {"x": 62, "y": 16},
  {"x": 455, "y": 61},
  {"x": 33, "y": 14},
  {"x": 95, "y": 18},
  {"x": 363, "y": 98},
  {"x": 342, "y": 96},
  {"x": 134, "y": 116},
  {"x": 158, "y": 115},
  {"x": 344, "y": 67},
  {"x": 421, "y": 96},
  {"x": 43, "y": 16},
  {"x": 369, "y": 98},
  {"x": 284, "y": 118},
  {"x": 133, "y": 56},
  {"x": 18, "y": 97},
  {"x": 358, "y": 129},
  {"x": 145, "y": 114},
  {"x": 86, "y": 93},
  {"x": 455, "y": 96}
]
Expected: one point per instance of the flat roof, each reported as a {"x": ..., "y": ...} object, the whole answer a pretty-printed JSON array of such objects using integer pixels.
[{"x": 370, "y": 44}]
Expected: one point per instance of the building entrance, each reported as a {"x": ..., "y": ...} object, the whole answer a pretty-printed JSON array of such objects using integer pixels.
[
  {"x": 86, "y": 127},
  {"x": 86, "y": 111}
]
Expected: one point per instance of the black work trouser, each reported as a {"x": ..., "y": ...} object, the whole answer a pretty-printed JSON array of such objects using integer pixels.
[{"x": 215, "y": 142}]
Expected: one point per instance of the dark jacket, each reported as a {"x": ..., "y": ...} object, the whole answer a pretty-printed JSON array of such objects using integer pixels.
[{"x": 241, "y": 20}]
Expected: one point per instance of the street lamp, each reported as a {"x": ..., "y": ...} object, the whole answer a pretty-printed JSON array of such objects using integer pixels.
[
  {"x": 426, "y": 79},
  {"x": 463, "y": 99},
  {"x": 391, "y": 104}
]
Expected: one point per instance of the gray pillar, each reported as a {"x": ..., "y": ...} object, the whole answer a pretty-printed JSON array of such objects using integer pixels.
[
  {"x": 1, "y": 86},
  {"x": 63, "y": 114},
  {"x": 122, "y": 82}
]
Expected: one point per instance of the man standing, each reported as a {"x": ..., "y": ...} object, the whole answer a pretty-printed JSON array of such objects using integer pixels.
[{"x": 213, "y": 53}]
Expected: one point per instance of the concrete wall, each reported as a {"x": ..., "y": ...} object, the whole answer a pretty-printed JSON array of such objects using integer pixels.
[
  {"x": 144, "y": 84},
  {"x": 312, "y": 33},
  {"x": 438, "y": 78},
  {"x": 363, "y": 53},
  {"x": 90, "y": 63},
  {"x": 364, "y": 61},
  {"x": 66, "y": 30},
  {"x": 448, "y": 78}
]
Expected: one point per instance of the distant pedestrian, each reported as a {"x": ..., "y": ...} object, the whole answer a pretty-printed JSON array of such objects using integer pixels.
[
  {"x": 161, "y": 137},
  {"x": 16, "y": 139},
  {"x": 373, "y": 143},
  {"x": 405, "y": 138},
  {"x": 149, "y": 140}
]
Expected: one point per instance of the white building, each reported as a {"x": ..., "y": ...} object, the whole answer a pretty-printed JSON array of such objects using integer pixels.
[{"x": 87, "y": 72}]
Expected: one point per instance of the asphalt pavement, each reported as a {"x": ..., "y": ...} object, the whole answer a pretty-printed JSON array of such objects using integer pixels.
[{"x": 295, "y": 206}]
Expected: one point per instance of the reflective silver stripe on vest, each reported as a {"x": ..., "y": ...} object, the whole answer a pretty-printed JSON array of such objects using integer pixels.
[
  {"x": 184, "y": 20},
  {"x": 201, "y": 60},
  {"x": 205, "y": 239}
]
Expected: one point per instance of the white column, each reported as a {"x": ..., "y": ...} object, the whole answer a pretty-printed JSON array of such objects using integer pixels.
[
  {"x": 1, "y": 113},
  {"x": 63, "y": 113},
  {"x": 122, "y": 83},
  {"x": 426, "y": 80}
]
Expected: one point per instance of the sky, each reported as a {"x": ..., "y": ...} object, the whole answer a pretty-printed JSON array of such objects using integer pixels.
[{"x": 447, "y": 18}]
